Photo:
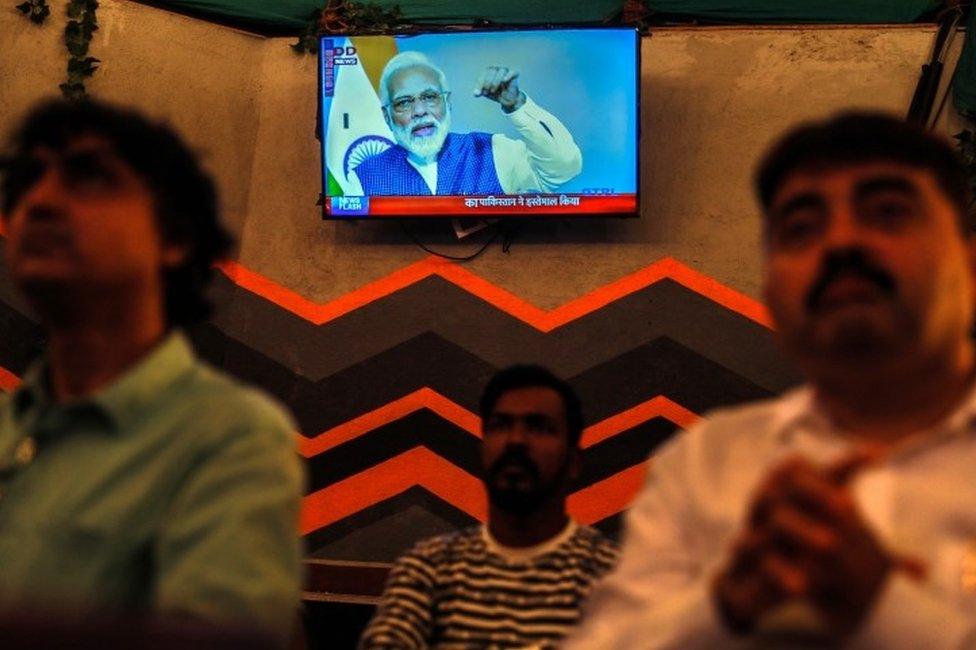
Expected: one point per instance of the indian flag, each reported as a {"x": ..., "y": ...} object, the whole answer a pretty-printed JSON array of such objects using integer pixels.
[{"x": 356, "y": 128}]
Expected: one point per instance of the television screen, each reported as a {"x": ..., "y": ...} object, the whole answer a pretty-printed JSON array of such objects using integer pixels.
[{"x": 495, "y": 123}]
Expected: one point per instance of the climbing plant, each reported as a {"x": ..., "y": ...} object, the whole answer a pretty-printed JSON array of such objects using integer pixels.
[
  {"x": 966, "y": 142},
  {"x": 35, "y": 10},
  {"x": 346, "y": 17},
  {"x": 82, "y": 23}
]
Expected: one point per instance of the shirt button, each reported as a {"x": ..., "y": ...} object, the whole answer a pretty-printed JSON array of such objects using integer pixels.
[{"x": 25, "y": 451}]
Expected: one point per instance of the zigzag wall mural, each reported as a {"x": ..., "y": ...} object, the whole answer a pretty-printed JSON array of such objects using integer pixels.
[{"x": 384, "y": 384}]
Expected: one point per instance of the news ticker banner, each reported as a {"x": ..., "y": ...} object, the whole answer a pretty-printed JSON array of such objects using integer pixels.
[{"x": 434, "y": 206}]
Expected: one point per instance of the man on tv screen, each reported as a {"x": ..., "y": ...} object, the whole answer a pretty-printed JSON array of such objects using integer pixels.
[{"x": 429, "y": 158}]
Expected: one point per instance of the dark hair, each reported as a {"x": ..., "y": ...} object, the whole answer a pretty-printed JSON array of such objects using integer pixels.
[
  {"x": 527, "y": 376},
  {"x": 185, "y": 197},
  {"x": 854, "y": 138}
]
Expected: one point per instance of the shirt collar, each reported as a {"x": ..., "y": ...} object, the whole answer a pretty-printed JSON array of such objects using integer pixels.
[
  {"x": 33, "y": 391},
  {"x": 798, "y": 410},
  {"x": 794, "y": 410},
  {"x": 125, "y": 399},
  {"x": 964, "y": 417},
  {"x": 525, "y": 554}
]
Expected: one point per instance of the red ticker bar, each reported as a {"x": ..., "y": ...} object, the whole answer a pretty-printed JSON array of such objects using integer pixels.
[{"x": 433, "y": 206}]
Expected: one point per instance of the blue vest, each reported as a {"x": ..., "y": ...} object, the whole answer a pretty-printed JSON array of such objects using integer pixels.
[{"x": 465, "y": 165}]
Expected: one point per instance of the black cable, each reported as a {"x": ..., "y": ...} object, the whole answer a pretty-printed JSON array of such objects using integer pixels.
[
  {"x": 927, "y": 88},
  {"x": 942, "y": 104},
  {"x": 950, "y": 37},
  {"x": 454, "y": 258},
  {"x": 510, "y": 230}
]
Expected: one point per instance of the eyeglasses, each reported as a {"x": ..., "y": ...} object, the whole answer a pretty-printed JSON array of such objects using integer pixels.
[{"x": 430, "y": 98}]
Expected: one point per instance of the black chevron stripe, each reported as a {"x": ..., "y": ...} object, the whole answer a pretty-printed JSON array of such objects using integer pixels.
[
  {"x": 21, "y": 342},
  {"x": 383, "y": 531},
  {"x": 612, "y": 526},
  {"x": 659, "y": 367},
  {"x": 426, "y": 360},
  {"x": 665, "y": 308},
  {"x": 389, "y": 441},
  {"x": 426, "y": 428},
  {"x": 624, "y": 450},
  {"x": 387, "y": 527}
]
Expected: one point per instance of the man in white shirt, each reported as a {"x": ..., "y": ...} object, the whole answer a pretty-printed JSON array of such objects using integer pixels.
[
  {"x": 430, "y": 159},
  {"x": 844, "y": 510}
]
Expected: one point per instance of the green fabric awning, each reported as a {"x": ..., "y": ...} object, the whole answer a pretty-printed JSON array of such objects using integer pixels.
[
  {"x": 964, "y": 81},
  {"x": 799, "y": 11},
  {"x": 285, "y": 14}
]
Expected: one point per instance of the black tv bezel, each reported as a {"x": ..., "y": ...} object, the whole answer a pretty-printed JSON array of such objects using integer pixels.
[{"x": 453, "y": 29}]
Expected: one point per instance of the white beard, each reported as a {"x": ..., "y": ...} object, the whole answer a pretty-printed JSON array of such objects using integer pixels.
[{"x": 424, "y": 147}]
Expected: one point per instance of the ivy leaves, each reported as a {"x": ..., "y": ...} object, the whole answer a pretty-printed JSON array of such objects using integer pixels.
[
  {"x": 308, "y": 40},
  {"x": 966, "y": 143},
  {"x": 346, "y": 17},
  {"x": 35, "y": 10},
  {"x": 82, "y": 23}
]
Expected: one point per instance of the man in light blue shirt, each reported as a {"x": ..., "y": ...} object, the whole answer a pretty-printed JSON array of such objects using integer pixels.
[{"x": 133, "y": 478}]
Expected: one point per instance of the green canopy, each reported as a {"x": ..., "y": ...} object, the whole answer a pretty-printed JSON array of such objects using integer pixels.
[
  {"x": 964, "y": 81},
  {"x": 284, "y": 14}
]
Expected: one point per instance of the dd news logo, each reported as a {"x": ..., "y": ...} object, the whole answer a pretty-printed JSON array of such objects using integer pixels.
[{"x": 342, "y": 55}]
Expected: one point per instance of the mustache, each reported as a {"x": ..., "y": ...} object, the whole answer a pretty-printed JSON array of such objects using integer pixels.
[
  {"x": 848, "y": 263},
  {"x": 517, "y": 457},
  {"x": 434, "y": 124}
]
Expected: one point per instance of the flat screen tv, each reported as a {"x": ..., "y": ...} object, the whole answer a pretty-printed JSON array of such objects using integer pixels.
[{"x": 514, "y": 123}]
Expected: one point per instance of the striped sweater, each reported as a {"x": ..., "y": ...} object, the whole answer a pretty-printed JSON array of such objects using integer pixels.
[{"x": 464, "y": 590}]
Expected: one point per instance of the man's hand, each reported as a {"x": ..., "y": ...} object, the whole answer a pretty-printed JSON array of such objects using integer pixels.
[
  {"x": 501, "y": 85},
  {"x": 806, "y": 541}
]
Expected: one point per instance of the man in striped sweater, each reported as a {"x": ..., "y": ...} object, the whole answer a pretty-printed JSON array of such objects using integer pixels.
[{"x": 519, "y": 580}]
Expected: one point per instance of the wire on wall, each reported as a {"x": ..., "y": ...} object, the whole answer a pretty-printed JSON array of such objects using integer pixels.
[{"x": 507, "y": 230}]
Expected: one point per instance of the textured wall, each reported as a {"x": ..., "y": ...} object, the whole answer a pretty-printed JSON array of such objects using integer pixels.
[
  {"x": 381, "y": 351},
  {"x": 712, "y": 100},
  {"x": 205, "y": 80}
]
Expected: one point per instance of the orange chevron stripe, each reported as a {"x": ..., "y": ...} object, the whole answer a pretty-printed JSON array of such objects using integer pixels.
[
  {"x": 319, "y": 314},
  {"x": 659, "y": 406},
  {"x": 8, "y": 380},
  {"x": 421, "y": 467},
  {"x": 541, "y": 319},
  {"x": 425, "y": 398},
  {"x": 607, "y": 497},
  {"x": 428, "y": 398}
]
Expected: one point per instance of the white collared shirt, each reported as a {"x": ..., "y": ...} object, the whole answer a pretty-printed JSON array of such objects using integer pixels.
[{"x": 921, "y": 502}]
